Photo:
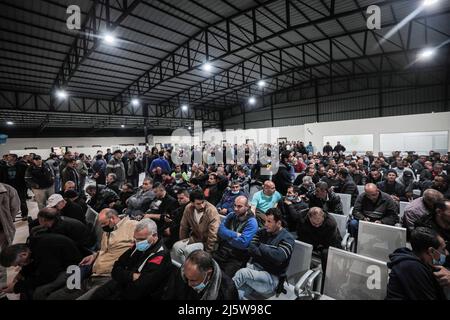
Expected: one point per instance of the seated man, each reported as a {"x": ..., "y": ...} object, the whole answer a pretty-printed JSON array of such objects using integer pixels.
[
  {"x": 264, "y": 200},
  {"x": 271, "y": 251},
  {"x": 173, "y": 221},
  {"x": 200, "y": 278},
  {"x": 235, "y": 234},
  {"x": 74, "y": 197},
  {"x": 392, "y": 187},
  {"x": 438, "y": 220},
  {"x": 346, "y": 184},
  {"x": 50, "y": 221},
  {"x": 161, "y": 207},
  {"x": 142, "y": 271},
  {"x": 291, "y": 207},
  {"x": 66, "y": 208},
  {"x": 411, "y": 276},
  {"x": 101, "y": 197},
  {"x": 198, "y": 228},
  {"x": 139, "y": 203},
  {"x": 126, "y": 192},
  {"x": 225, "y": 205},
  {"x": 307, "y": 186},
  {"x": 215, "y": 187},
  {"x": 320, "y": 230},
  {"x": 117, "y": 238},
  {"x": 324, "y": 198},
  {"x": 112, "y": 182},
  {"x": 43, "y": 263},
  {"x": 374, "y": 206},
  {"x": 420, "y": 207}
]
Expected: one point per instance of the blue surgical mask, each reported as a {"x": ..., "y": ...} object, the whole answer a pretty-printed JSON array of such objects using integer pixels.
[
  {"x": 142, "y": 245},
  {"x": 235, "y": 192},
  {"x": 291, "y": 198},
  {"x": 200, "y": 286},
  {"x": 441, "y": 260}
]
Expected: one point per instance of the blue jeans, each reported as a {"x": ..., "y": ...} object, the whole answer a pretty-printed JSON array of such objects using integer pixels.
[
  {"x": 252, "y": 278},
  {"x": 353, "y": 228}
]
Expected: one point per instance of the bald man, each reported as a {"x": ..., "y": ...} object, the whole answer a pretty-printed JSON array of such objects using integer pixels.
[
  {"x": 375, "y": 206},
  {"x": 117, "y": 237},
  {"x": 235, "y": 234},
  {"x": 265, "y": 199}
]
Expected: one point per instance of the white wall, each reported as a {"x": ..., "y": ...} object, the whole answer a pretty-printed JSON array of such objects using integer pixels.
[
  {"x": 399, "y": 124},
  {"x": 314, "y": 132}
]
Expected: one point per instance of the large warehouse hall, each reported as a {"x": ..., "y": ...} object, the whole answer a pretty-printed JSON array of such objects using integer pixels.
[{"x": 207, "y": 151}]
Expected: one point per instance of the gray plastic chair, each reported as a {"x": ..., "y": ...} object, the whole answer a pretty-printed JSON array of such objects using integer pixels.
[
  {"x": 350, "y": 276},
  {"x": 342, "y": 221},
  {"x": 403, "y": 205},
  {"x": 378, "y": 241},
  {"x": 346, "y": 200},
  {"x": 360, "y": 189}
]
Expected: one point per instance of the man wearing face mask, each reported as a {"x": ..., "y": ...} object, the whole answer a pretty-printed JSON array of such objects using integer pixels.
[
  {"x": 291, "y": 207},
  {"x": 200, "y": 278},
  {"x": 226, "y": 204},
  {"x": 142, "y": 271},
  {"x": 235, "y": 234},
  {"x": 117, "y": 237},
  {"x": 411, "y": 276}
]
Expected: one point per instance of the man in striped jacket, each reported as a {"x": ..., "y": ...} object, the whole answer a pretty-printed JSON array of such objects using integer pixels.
[{"x": 271, "y": 251}]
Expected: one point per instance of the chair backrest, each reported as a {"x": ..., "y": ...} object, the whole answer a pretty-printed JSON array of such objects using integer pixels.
[
  {"x": 403, "y": 205},
  {"x": 254, "y": 189},
  {"x": 346, "y": 200},
  {"x": 91, "y": 216},
  {"x": 300, "y": 261},
  {"x": 417, "y": 192},
  {"x": 360, "y": 189},
  {"x": 350, "y": 276},
  {"x": 341, "y": 221},
  {"x": 378, "y": 241}
]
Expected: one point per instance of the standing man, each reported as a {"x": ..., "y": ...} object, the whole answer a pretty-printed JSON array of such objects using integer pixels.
[
  {"x": 39, "y": 177},
  {"x": 13, "y": 174},
  {"x": 70, "y": 173},
  {"x": 115, "y": 165},
  {"x": 10, "y": 207},
  {"x": 133, "y": 168},
  {"x": 83, "y": 172}
]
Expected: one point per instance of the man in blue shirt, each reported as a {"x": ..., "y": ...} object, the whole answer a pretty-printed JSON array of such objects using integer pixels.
[
  {"x": 235, "y": 234},
  {"x": 263, "y": 200},
  {"x": 160, "y": 162},
  {"x": 226, "y": 204}
]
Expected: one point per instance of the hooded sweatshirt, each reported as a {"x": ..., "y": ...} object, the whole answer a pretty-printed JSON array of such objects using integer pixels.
[{"x": 411, "y": 279}]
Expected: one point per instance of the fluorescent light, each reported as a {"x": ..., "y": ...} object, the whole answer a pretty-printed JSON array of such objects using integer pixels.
[
  {"x": 9, "y": 123},
  {"x": 109, "y": 38},
  {"x": 135, "y": 102},
  {"x": 207, "y": 67},
  {"x": 122, "y": 126},
  {"x": 261, "y": 83},
  {"x": 252, "y": 100},
  {"x": 189, "y": 128},
  {"x": 184, "y": 107},
  {"x": 428, "y": 3},
  {"x": 426, "y": 53},
  {"x": 61, "y": 94}
]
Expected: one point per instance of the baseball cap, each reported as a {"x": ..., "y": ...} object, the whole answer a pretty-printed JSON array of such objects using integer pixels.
[{"x": 54, "y": 199}]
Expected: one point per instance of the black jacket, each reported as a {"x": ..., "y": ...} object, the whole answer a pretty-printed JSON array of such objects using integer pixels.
[
  {"x": 272, "y": 251},
  {"x": 411, "y": 279},
  {"x": 339, "y": 147},
  {"x": 137, "y": 167},
  {"x": 331, "y": 204},
  {"x": 39, "y": 177},
  {"x": 292, "y": 213},
  {"x": 51, "y": 254},
  {"x": 174, "y": 226},
  {"x": 348, "y": 187},
  {"x": 167, "y": 206},
  {"x": 154, "y": 266},
  {"x": 74, "y": 211},
  {"x": 178, "y": 289},
  {"x": 325, "y": 236},
  {"x": 428, "y": 221},
  {"x": 384, "y": 209},
  {"x": 395, "y": 189},
  {"x": 282, "y": 178},
  {"x": 103, "y": 197},
  {"x": 327, "y": 148},
  {"x": 14, "y": 175},
  {"x": 70, "y": 174},
  {"x": 215, "y": 192}
]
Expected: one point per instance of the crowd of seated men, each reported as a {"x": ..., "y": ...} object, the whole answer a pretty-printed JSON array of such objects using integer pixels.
[{"x": 231, "y": 227}]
